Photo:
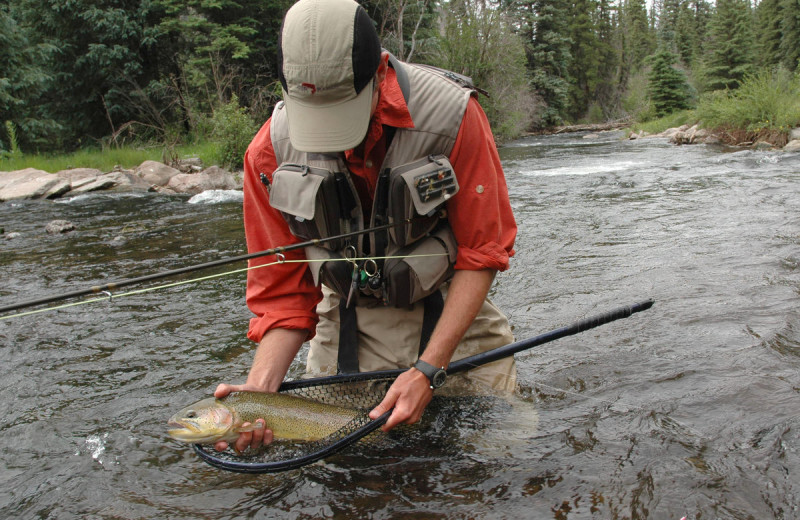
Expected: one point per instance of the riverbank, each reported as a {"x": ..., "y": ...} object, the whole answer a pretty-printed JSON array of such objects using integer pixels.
[{"x": 189, "y": 177}]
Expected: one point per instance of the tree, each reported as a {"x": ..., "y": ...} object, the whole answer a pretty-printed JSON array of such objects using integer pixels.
[
  {"x": 607, "y": 96},
  {"x": 407, "y": 28},
  {"x": 542, "y": 25},
  {"x": 638, "y": 39},
  {"x": 23, "y": 78},
  {"x": 211, "y": 50},
  {"x": 99, "y": 48},
  {"x": 585, "y": 64},
  {"x": 769, "y": 18},
  {"x": 730, "y": 57},
  {"x": 668, "y": 89},
  {"x": 790, "y": 38},
  {"x": 477, "y": 41}
]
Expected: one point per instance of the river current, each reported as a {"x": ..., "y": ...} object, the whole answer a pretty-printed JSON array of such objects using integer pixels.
[{"x": 690, "y": 409}]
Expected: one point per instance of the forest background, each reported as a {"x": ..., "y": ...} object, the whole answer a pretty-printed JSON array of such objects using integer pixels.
[{"x": 104, "y": 74}]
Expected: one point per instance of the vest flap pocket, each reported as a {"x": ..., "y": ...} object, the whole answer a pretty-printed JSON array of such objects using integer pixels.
[
  {"x": 431, "y": 184},
  {"x": 294, "y": 191}
]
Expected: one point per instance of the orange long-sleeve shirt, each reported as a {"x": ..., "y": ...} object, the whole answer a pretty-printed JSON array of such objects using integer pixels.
[{"x": 284, "y": 295}]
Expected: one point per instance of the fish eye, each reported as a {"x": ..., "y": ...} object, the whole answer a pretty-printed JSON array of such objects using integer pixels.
[{"x": 191, "y": 414}]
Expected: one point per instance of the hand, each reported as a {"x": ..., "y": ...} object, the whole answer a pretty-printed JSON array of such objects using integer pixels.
[
  {"x": 260, "y": 436},
  {"x": 409, "y": 395}
]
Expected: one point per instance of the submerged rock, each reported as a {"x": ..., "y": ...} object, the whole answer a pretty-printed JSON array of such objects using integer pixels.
[{"x": 59, "y": 226}]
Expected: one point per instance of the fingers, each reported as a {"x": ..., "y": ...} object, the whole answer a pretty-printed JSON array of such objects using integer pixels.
[
  {"x": 224, "y": 389},
  {"x": 388, "y": 402},
  {"x": 408, "y": 397},
  {"x": 255, "y": 438}
]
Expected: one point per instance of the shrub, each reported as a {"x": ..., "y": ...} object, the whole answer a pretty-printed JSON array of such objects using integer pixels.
[
  {"x": 766, "y": 101},
  {"x": 233, "y": 130},
  {"x": 13, "y": 151}
]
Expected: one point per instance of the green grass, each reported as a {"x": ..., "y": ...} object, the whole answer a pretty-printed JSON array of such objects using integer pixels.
[
  {"x": 105, "y": 160},
  {"x": 673, "y": 120}
]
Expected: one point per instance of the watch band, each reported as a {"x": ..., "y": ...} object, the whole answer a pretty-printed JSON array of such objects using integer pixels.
[{"x": 436, "y": 376}]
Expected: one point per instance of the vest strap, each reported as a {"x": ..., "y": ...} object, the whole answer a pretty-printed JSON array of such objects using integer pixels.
[
  {"x": 348, "y": 339},
  {"x": 434, "y": 305}
]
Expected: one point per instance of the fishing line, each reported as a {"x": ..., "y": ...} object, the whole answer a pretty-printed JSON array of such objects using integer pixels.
[
  {"x": 110, "y": 296},
  {"x": 197, "y": 267}
]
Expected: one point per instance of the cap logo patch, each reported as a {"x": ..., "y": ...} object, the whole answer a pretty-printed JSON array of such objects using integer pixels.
[{"x": 311, "y": 87}]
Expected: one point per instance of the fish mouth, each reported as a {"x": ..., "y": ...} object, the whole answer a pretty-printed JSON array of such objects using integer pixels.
[{"x": 185, "y": 431}]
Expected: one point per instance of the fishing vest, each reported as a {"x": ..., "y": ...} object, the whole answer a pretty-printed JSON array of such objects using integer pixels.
[{"x": 317, "y": 198}]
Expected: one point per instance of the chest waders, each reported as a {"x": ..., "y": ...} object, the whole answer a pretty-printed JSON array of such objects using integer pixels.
[{"x": 316, "y": 196}]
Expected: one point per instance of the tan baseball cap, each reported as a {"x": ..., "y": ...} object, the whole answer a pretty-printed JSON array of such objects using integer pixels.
[{"x": 328, "y": 54}]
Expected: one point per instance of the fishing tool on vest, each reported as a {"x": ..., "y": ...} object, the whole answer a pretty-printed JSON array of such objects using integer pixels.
[{"x": 363, "y": 391}]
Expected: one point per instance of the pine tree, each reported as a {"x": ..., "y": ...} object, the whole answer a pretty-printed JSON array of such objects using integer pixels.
[
  {"x": 790, "y": 40},
  {"x": 542, "y": 24},
  {"x": 606, "y": 97},
  {"x": 730, "y": 56},
  {"x": 769, "y": 18},
  {"x": 668, "y": 89},
  {"x": 585, "y": 64}
]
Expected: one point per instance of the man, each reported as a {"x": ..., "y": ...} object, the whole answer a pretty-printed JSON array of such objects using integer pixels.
[{"x": 361, "y": 140}]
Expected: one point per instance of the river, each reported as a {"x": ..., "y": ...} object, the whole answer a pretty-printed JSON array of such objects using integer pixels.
[{"x": 690, "y": 409}]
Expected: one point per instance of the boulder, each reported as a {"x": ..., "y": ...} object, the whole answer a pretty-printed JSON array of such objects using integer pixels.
[
  {"x": 127, "y": 179},
  {"x": 213, "y": 178},
  {"x": 155, "y": 173},
  {"x": 792, "y": 146},
  {"x": 79, "y": 176},
  {"x": 794, "y": 134},
  {"x": 31, "y": 184},
  {"x": 96, "y": 184},
  {"x": 670, "y": 132},
  {"x": 190, "y": 165}
]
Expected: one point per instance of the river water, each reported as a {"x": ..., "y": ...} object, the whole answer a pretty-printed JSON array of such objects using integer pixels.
[{"x": 690, "y": 409}]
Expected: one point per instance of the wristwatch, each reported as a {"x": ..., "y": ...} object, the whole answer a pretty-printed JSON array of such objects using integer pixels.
[{"x": 436, "y": 376}]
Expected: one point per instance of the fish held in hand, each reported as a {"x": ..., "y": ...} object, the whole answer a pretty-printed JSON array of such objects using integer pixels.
[{"x": 289, "y": 417}]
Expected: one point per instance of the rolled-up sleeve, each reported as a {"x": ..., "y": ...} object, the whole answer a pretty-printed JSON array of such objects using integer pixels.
[
  {"x": 480, "y": 213},
  {"x": 281, "y": 295}
]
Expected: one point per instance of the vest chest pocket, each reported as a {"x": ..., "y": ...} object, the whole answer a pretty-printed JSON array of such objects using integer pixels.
[
  {"x": 419, "y": 188},
  {"x": 309, "y": 198}
]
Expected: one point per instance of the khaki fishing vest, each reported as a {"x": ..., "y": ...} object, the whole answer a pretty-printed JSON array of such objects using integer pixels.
[{"x": 415, "y": 182}]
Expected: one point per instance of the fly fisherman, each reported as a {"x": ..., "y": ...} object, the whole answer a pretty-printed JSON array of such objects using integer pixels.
[{"x": 361, "y": 140}]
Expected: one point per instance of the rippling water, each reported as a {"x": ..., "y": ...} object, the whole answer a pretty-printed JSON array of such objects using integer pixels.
[{"x": 689, "y": 409}]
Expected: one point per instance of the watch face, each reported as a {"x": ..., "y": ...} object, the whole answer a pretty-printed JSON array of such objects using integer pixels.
[{"x": 438, "y": 378}]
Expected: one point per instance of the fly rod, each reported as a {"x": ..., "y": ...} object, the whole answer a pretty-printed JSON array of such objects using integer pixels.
[{"x": 112, "y": 286}]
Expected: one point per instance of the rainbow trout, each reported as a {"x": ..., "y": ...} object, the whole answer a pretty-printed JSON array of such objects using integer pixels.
[{"x": 288, "y": 416}]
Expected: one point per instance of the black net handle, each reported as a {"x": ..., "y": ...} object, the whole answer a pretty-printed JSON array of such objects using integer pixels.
[
  {"x": 509, "y": 350},
  {"x": 461, "y": 365},
  {"x": 483, "y": 358}
]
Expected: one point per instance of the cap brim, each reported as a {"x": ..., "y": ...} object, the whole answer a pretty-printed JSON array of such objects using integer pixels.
[{"x": 329, "y": 127}]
